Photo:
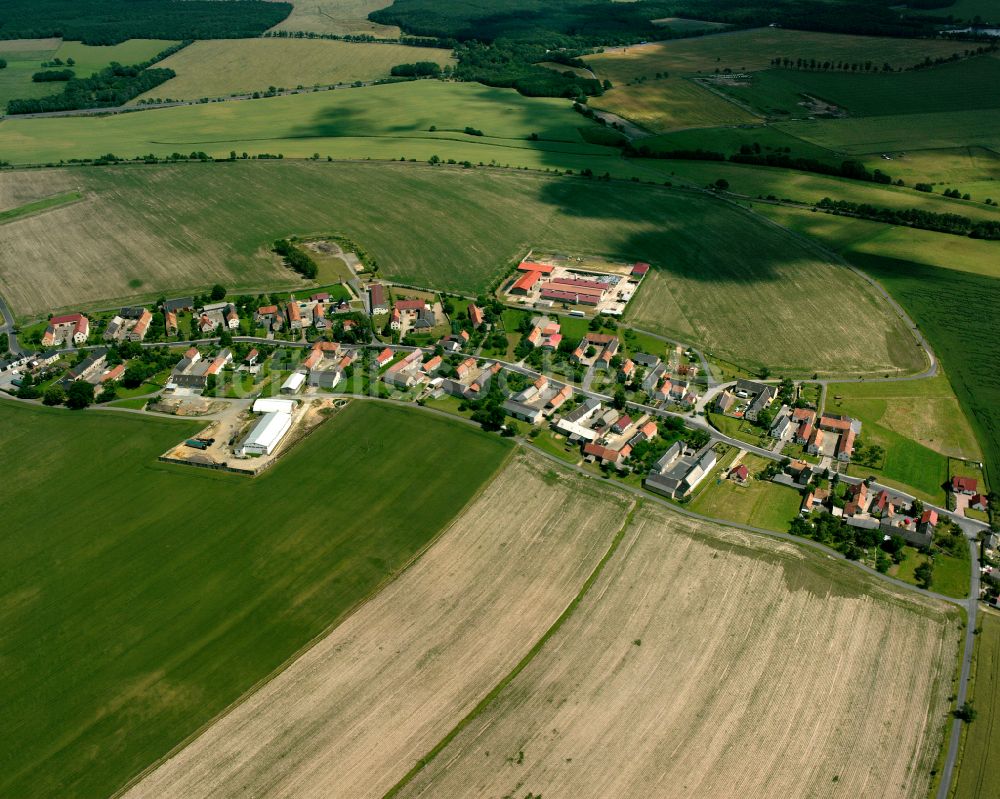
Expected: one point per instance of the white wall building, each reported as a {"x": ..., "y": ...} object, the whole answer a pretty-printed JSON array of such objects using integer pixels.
[{"x": 266, "y": 434}]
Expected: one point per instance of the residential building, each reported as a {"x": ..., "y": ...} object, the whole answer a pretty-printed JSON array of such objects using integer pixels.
[
  {"x": 965, "y": 485},
  {"x": 141, "y": 326},
  {"x": 294, "y": 315},
  {"x": 476, "y": 315},
  {"x": 979, "y": 502},
  {"x": 178, "y": 304},
  {"x": 170, "y": 321},
  {"x": 69, "y": 328},
  {"x": 676, "y": 475},
  {"x": 115, "y": 329},
  {"x": 383, "y": 357},
  {"x": 377, "y": 299}
]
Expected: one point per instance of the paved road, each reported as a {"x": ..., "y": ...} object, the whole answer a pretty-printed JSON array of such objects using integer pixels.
[
  {"x": 7, "y": 316},
  {"x": 971, "y": 608}
]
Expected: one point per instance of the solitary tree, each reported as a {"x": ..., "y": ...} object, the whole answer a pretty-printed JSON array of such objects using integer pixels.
[
  {"x": 79, "y": 395},
  {"x": 218, "y": 292}
]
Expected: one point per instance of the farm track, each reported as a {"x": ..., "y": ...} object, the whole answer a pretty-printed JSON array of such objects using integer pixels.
[{"x": 350, "y": 716}]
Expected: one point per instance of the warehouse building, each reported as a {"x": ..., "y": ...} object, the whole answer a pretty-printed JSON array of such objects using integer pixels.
[{"x": 266, "y": 434}]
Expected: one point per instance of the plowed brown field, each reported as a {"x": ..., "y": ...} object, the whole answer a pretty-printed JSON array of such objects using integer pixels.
[
  {"x": 721, "y": 666},
  {"x": 355, "y": 712}
]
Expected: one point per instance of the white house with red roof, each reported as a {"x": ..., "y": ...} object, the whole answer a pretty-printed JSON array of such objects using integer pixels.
[{"x": 73, "y": 328}]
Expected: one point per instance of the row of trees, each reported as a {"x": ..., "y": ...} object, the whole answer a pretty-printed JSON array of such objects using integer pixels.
[
  {"x": 298, "y": 260},
  {"x": 830, "y": 65},
  {"x": 914, "y": 217},
  {"x": 53, "y": 75},
  {"x": 419, "y": 69}
]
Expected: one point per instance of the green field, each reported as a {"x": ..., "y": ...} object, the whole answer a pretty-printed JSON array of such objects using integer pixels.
[
  {"x": 752, "y": 50},
  {"x": 959, "y": 168},
  {"x": 671, "y": 104},
  {"x": 25, "y": 57},
  {"x": 761, "y": 503},
  {"x": 924, "y": 411},
  {"x": 906, "y": 132},
  {"x": 956, "y": 310},
  {"x": 229, "y": 66},
  {"x": 446, "y": 236},
  {"x": 967, "y": 10},
  {"x": 965, "y": 85},
  {"x": 979, "y": 769},
  {"x": 383, "y": 122},
  {"x": 807, "y": 187},
  {"x": 148, "y": 598},
  {"x": 39, "y": 205},
  {"x": 951, "y": 575}
]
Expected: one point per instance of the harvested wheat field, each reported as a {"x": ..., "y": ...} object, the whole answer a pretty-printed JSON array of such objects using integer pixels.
[
  {"x": 353, "y": 714},
  {"x": 706, "y": 662}
]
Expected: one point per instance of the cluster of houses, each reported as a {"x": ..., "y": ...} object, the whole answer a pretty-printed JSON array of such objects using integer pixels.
[
  {"x": 861, "y": 506},
  {"x": 327, "y": 362},
  {"x": 680, "y": 470},
  {"x": 93, "y": 369},
  {"x": 410, "y": 315},
  {"x": 605, "y": 434},
  {"x": 298, "y": 314},
  {"x": 539, "y": 400},
  {"x": 192, "y": 371},
  {"x": 68, "y": 329},
  {"x": 544, "y": 333},
  {"x": 828, "y": 434},
  {"x": 669, "y": 383},
  {"x": 746, "y": 400},
  {"x": 968, "y": 489},
  {"x": 129, "y": 324}
]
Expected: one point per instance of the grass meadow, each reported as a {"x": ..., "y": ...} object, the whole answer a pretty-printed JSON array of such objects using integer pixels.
[
  {"x": 761, "y": 503},
  {"x": 177, "y": 227},
  {"x": 901, "y": 132},
  {"x": 144, "y": 599},
  {"x": 412, "y": 120},
  {"x": 671, "y": 104},
  {"x": 961, "y": 86},
  {"x": 979, "y": 769},
  {"x": 808, "y": 187},
  {"x": 752, "y": 50},
  {"x": 220, "y": 67},
  {"x": 25, "y": 57}
]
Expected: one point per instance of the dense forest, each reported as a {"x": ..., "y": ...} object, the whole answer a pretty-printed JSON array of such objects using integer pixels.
[
  {"x": 597, "y": 22},
  {"x": 114, "y": 21}
]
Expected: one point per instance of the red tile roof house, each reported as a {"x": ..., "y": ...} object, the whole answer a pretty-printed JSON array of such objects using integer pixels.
[
  {"x": 73, "y": 327},
  {"x": 740, "y": 473},
  {"x": 476, "y": 315},
  {"x": 621, "y": 424},
  {"x": 383, "y": 357},
  {"x": 113, "y": 374},
  {"x": 883, "y": 505},
  {"x": 964, "y": 485},
  {"x": 563, "y": 394},
  {"x": 815, "y": 442},
  {"x": 628, "y": 369},
  {"x": 464, "y": 369},
  {"x": 432, "y": 364},
  {"x": 410, "y": 305},
  {"x": 604, "y": 453},
  {"x": 929, "y": 519},
  {"x": 979, "y": 502},
  {"x": 294, "y": 315},
  {"x": 312, "y": 359},
  {"x": 251, "y": 358},
  {"x": 170, "y": 319},
  {"x": 139, "y": 330}
]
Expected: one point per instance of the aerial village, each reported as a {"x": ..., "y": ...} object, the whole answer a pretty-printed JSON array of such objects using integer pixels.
[{"x": 544, "y": 358}]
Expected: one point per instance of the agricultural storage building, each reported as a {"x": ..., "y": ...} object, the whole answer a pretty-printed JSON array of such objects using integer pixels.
[
  {"x": 273, "y": 405},
  {"x": 294, "y": 383},
  {"x": 266, "y": 434}
]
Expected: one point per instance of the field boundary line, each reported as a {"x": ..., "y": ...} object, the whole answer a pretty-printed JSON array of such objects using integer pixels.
[
  {"x": 416, "y": 556},
  {"x": 487, "y": 700}
]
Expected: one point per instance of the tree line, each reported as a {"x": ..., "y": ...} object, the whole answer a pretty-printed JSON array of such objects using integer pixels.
[
  {"x": 298, "y": 260},
  {"x": 829, "y": 65},
  {"x": 914, "y": 217},
  {"x": 103, "y": 22}
]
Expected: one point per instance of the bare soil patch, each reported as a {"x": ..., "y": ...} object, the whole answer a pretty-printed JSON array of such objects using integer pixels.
[
  {"x": 352, "y": 714},
  {"x": 706, "y": 662}
]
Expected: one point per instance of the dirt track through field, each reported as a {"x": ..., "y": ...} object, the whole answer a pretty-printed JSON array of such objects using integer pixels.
[
  {"x": 355, "y": 712},
  {"x": 716, "y": 667}
]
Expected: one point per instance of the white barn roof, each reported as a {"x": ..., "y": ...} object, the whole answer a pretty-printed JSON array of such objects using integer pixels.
[
  {"x": 268, "y": 432},
  {"x": 294, "y": 382},
  {"x": 273, "y": 405}
]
